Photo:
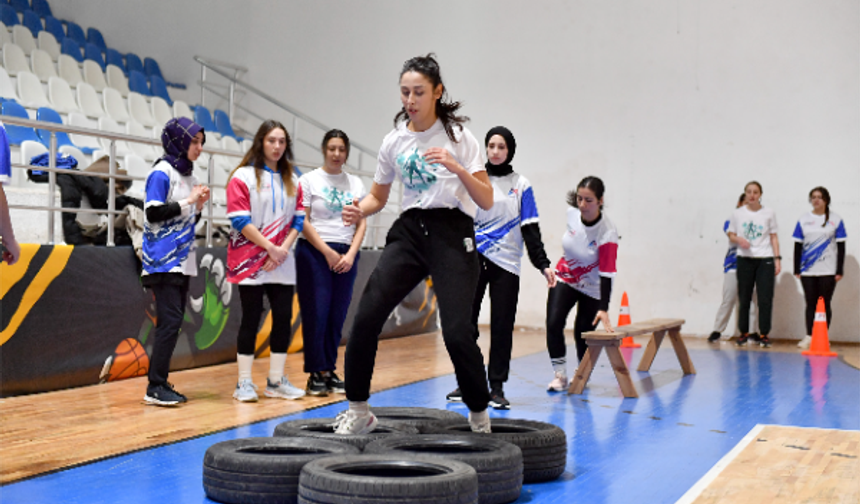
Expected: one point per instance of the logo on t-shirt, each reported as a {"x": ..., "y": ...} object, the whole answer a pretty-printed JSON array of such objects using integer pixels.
[
  {"x": 335, "y": 199},
  {"x": 751, "y": 231},
  {"x": 414, "y": 170}
]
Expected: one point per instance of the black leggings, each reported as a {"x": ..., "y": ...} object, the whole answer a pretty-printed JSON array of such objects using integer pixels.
[
  {"x": 504, "y": 293},
  {"x": 561, "y": 300},
  {"x": 813, "y": 288},
  {"x": 755, "y": 273},
  {"x": 441, "y": 243},
  {"x": 170, "y": 299},
  {"x": 281, "y": 300}
]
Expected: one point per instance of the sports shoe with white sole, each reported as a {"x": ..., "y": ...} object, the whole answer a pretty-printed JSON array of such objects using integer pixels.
[
  {"x": 245, "y": 391},
  {"x": 558, "y": 384},
  {"x": 163, "y": 395},
  {"x": 351, "y": 423},
  {"x": 283, "y": 389},
  {"x": 805, "y": 342}
]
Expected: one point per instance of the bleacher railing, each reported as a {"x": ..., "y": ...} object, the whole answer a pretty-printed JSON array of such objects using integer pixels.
[{"x": 378, "y": 223}]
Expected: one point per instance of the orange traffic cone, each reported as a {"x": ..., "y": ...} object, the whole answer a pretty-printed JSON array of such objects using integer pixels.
[
  {"x": 820, "y": 341},
  {"x": 624, "y": 319}
]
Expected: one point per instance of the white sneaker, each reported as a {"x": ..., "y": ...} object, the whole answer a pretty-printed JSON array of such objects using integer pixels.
[
  {"x": 480, "y": 422},
  {"x": 558, "y": 384},
  {"x": 283, "y": 389},
  {"x": 805, "y": 342},
  {"x": 245, "y": 391},
  {"x": 351, "y": 423}
]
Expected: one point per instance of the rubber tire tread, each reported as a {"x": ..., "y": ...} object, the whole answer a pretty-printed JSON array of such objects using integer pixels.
[
  {"x": 544, "y": 445},
  {"x": 299, "y": 428},
  {"x": 320, "y": 483},
  {"x": 423, "y": 419},
  {"x": 500, "y": 470}
]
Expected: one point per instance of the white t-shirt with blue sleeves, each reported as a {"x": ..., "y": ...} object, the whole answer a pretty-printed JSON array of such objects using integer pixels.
[
  {"x": 5, "y": 157},
  {"x": 168, "y": 246},
  {"x": 819, "y": 243},
  {"x": 497, "y": 230},
  {"x": 730, "y": 263}
]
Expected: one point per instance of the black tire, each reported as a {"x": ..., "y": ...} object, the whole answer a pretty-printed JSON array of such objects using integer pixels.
[
  {"x": 499, "y": 464},
  {"x": 544, "y": 445},
  {"x": 422, "y": 419},
  {"x": 321, "y": 428},
  {"x": 262, "y": 470},
  {"x": 394, "y": 478}
]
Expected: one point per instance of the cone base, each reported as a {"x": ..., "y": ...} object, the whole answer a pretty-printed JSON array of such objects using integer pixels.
[{"x": 819, "y": 354}]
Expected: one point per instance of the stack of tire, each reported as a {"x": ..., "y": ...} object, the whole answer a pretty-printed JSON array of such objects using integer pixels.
[{"x": 415, "y": 456}]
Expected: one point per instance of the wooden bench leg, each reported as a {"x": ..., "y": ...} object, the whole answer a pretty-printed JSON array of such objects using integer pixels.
[
  {"x": 681, "y": 351},
  {"x": 651, "y": 351},
  {"x": 622, "y": 374},
  {"x": 586, "y": 366}
]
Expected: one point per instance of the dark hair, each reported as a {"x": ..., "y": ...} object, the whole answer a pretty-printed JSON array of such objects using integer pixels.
[
  {"x": 591, "y": 183},
  {"x": 335, "y": 133},
  {"x": 429, "y": 67},
  {"x": 742, "y": 198},
  {"x": 256, "y": 158},
  {"x": 825, "y": 195},
  {"x": 760, "y": 190}
]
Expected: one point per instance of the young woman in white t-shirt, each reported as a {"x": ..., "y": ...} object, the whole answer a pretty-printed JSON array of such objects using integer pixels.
[
  {"x": 585, "y": 273},
  {"x": 819, "y": 256},
  {"x": 327, "y": 261},
  {"x": 439, "y": 164},
  {"x": 264, "y": 205},
  {"x": 753, "y": 228}
]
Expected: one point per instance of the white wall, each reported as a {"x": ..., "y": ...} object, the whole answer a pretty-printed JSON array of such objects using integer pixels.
[{"x": 676, "y": 105}]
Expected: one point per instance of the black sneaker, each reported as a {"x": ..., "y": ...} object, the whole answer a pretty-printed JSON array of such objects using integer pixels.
[
  {"x": 317, "y": 385},
  {"x": 714, "y": 337},
  {"x": 334, "y": 384},
  {"x": 182, "y": 397},
  {"x": 163, "y": 395},
  {"x": 764, "y": 341},
  {"x": 742, "y": 339},
  {"x": 498, "y": 401},
  {"x": 455, "y": 395}
]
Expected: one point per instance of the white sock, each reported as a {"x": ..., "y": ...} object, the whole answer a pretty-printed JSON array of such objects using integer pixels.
[
  {"x": 560, "y": 366},
  {"x": 246, "y": 362},
  {"x": 479, "y": 417},
  {"x": 277, "y": 361},
  {"x": 360, "y": 408}
]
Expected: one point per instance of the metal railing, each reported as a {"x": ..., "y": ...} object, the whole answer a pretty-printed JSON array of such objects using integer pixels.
[{"x": 232, "y": 74}]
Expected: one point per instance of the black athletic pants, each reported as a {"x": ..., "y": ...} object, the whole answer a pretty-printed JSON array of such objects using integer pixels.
[
  {"x": 755, "y": 273},
  {"x": 281, "y": 300},
  {"x": 561, "y": 300},
  {"x": 170, "y": 299},
  {"x": 813, "y": 288},
  {"x": 435, "y": 242},
  {"x": 504, "y": 294}
]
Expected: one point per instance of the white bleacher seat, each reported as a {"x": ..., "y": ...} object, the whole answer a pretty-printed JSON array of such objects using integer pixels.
[
  {"x": 31, "y": 92},
  {"x": 4, "y": 35},
  {"x": 246, "y": 145},
  {"x": 137, "y": 166},
  {"x": 145, "y": 151},
  {"x": 181, "y": 109},
  {"x": 69, "y": 70},
  {"x": 83, "y": 160},
  {"x": 108, "y": 124},
  {"x": 81, "y": 121},
  {"x": 114, "y": 105},
  {"x": 161, "y": 111},
  {"x": 29, "y": 149},
  {"x": 230, "y": 144},
  {"x": 42, "y": 65},
  {"x": 7, "y": 90},
  {"x": 156, "y": 132},
  {"x": 138, "y": 109},
  {"x": 93, "y": 75},
  {"x": 116, "y": 79},
  {"x": 23, "y": 38},
  {"x": 14, "y": 60},
  {"x": 61, "y": 97},
  {"x": 88, "y": 101},
  {"x": 49, "y": 44}
]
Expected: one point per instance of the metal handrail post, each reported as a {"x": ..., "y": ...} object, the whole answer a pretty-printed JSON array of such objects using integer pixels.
[
  {"x": 209, "y": 216},
  {"x": 52, "y": 185},
  {"x": 202, "y": 88},
  {"x": 232, "y": 100},
  {"x": 111, "y": 193}
]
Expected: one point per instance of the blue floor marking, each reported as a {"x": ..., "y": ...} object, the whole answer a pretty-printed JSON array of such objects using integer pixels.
[{"x": 651, "y": 449}]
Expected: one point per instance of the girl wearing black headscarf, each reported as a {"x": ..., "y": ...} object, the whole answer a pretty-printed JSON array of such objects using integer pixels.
[
  {"x": 500, "y": 233},
  {"x": 174, "y": 199}
]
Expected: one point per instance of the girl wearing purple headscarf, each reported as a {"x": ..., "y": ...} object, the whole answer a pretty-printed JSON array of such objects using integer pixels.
[{"x": 174, "y": 199}]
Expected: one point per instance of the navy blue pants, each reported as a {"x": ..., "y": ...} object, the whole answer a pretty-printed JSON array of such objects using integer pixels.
[
  {"x": 324, "y": 298},
  {"x": 170, "y": 302}
]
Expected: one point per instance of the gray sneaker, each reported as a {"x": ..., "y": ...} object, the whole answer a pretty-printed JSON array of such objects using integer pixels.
[
  {"x": 245, "y": 391},
  {"x": 283, "y": 389}
]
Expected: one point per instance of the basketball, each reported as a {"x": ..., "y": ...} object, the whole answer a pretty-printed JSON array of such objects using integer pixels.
[{"x": 130, "y": 360}]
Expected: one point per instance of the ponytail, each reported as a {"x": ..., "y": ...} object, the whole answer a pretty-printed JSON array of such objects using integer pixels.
[{"x": 825, "y": 195}]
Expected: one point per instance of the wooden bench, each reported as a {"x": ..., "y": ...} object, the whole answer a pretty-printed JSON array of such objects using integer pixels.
[{"x": 598, "y": 340}]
